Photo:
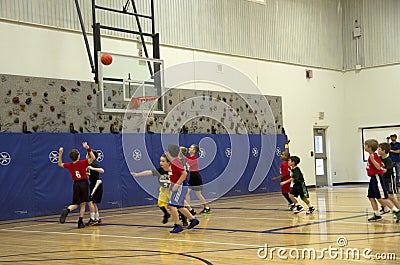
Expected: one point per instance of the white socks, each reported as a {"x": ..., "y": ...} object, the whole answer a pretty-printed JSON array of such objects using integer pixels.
[{"x": 95, "y": 216}]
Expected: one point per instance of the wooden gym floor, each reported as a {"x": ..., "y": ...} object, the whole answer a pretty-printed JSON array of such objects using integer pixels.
[{"x": 238, "y": 231}]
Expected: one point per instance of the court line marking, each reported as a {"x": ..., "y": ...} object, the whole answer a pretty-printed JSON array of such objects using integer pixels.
[
  {"x": 146, "y": 238},
  {"x": 302, "y": 222},
  {"x": 248, "y": 246},
  {"x": 217, "y": 201},
  {"x": 133, "y": 237},
  {"x": 25, "y": 226},
  {"x": 121, "y": 211},
  {"x": 152, "y": 213},
  {"x": 46, "y": 253},
  {"x": 299, "y": 218},
  {"x": 275, "y": 231}
]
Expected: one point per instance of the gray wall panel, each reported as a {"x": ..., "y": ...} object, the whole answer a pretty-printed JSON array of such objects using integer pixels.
[
  {"x": 382, "y": 32},
  {"x": 175, "y": 22},
  {"x": 307, "y": 32},
  {"x": 380, "y": 27}
]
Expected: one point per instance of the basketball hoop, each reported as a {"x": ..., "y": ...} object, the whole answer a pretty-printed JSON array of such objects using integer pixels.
[{"x": 136, "y": 102}]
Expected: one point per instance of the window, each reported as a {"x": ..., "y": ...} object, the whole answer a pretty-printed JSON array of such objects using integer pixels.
[
  {"x": 319, "y": 148},
  {"x": 319, "y": 167}
]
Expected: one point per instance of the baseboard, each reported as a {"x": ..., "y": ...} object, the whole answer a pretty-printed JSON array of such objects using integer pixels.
[
  {"x": 340, "y": 184},
  {"x": 349, "y": 183}
]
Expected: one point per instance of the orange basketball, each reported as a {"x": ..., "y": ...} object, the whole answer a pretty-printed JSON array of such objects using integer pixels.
[{"x": 106, "y": 59}]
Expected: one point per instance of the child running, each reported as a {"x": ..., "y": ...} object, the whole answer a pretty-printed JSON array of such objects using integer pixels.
[
  {"x": 81, "y": 187},
  {"x": 96, "y": 190},
  {"x": 162, "y": 173},
  {"x": 299, "y": 187},
  {"x": 388, "y": 177},
  {"x": 284, "y": 170},
  {"x": 182, "y": 217},
  {"x": 179, "y": 188},
  {"x": 195, "y": 180},
  {"x": 377, "y": 189}
]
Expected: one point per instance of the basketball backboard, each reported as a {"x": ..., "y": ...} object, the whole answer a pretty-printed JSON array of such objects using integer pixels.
[{"x": 129, "y": 81}]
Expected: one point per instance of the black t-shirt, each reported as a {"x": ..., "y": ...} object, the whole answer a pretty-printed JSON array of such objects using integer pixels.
[
  {"x": 93, "y": 175},
  {"x": 163, "y": 177},
  {"x": 297, "y": 176},
  {"x": 388, "y": 164}
]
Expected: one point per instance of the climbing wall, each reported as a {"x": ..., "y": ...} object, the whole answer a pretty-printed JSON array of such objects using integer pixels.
[
  {"x": 225, "y": 112},
  {"x": 51, "y": 105}
]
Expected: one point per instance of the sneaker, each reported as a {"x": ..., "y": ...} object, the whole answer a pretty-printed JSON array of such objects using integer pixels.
[
  {"x": 299, "y": 208},
  {"x": 176, "y": 229},
  {"x": 193, "y": 223},
  {"x": 397, "y": 214},
  {"x": 98, "y": 220},
  {"x": 375, "y": 217},
  {"x": 185, "y": 223},
  {"x": 291, "y": 206},
  {"x": 81, "y": 224},
  {"x": 310, "y": 210},
  {"x": 63, "y": 215},
  {"x": 91, "y": 222},
  {"x": 193, "y": 212},
  {"x": 383, "y": 210},
  {"x": 165, "y": 218},
  {"x": 205, "y": 210}
]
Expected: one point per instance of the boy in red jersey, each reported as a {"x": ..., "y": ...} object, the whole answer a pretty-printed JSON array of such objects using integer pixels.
[
  {"x": 284, "y": 171},
  {"x": 81, "y": 186},
  {"x": 377, "y": 189},
  {"x": 179, "y": 188},
  {"x": 195, "y": 180}
]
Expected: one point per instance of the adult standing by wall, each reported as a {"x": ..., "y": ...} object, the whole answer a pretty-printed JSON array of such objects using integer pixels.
[{"x": 395, "y": 156}]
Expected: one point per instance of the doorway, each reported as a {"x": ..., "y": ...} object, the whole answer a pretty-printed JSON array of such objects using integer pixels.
[{"x": 320, "y": 157}]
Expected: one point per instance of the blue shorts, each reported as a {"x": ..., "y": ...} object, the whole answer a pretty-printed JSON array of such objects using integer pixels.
[
  {"x": 377, "y": 188},
  {"x": 177, "y": 198}
]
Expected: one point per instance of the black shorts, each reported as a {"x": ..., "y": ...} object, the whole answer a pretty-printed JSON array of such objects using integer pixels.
[
  {"x": 81, "y": 189},
  {"x": 390, "y": 183},
  {"x": 195, "y": 181},
  {"x": 300, "y": 190},
  {"x": 98, "y": 193}
]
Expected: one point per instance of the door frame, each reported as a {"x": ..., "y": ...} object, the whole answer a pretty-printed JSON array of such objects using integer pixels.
[{"x": 324, "y": 156}]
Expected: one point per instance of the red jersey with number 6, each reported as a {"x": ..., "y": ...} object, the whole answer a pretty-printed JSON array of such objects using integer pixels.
[{"x": 78, "y": 169}]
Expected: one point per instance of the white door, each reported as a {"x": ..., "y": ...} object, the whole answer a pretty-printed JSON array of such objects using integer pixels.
[{"x": 320, "y": 157}]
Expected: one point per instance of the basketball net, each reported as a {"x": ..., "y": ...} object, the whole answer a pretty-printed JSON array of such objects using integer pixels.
[{"x": 136, "y": 102}]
